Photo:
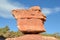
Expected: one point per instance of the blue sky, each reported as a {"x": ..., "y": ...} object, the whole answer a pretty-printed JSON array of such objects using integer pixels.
[{"x": 51, "y": 8}]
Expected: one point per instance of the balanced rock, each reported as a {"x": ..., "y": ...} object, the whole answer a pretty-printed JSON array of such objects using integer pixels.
[{"x": 30, "y": 20}]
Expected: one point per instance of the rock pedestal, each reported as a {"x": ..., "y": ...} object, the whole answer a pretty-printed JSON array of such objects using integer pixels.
[{"x": 32, "y": 37}]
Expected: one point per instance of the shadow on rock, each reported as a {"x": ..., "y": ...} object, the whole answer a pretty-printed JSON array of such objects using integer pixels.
[{"x": 2, "y": 37}]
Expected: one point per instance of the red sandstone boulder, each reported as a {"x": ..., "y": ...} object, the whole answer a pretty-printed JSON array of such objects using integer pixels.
[{"x": 31, "y": 20}]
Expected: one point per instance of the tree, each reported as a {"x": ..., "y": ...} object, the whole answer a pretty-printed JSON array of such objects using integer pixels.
[{"x": 4, "y": 31}]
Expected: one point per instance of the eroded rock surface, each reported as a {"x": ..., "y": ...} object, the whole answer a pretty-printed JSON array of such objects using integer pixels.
[
  {"x": 33, "y": 37},
  {"x": 30, "y": 20}
]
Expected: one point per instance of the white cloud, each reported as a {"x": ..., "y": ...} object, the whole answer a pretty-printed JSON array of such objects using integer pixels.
[
  {"x": 57, "y": 9},
  {"x": 6, "y": 7},
  {"x": 48, "y": 11}
]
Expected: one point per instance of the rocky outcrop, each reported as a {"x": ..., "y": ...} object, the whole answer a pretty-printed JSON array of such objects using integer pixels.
[
  {"x": 33, "y": 37},
  {"x": 30, "y": 20}
]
